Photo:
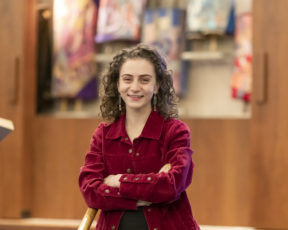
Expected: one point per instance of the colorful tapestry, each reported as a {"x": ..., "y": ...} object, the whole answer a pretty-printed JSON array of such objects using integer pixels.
[
  {"x": 242, "y": 75},
  {"x": 208, "y": 15},
  {"x": 73, "y": 39},
  {"x": 164, "y": 28},
  {"x": 119, "y": 20}
]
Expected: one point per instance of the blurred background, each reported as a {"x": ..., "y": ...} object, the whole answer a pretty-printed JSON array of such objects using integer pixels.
[{"x": 228, "y": 59}]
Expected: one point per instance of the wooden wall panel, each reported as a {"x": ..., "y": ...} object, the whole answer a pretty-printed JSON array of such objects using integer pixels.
[
  {"x": 270, "y": 123},
  {"x": 28, "y": 92},
  {"x": 11, "y": 107},
  {"x": 59, "y": 149},
  {"x": 220, "y": 190}
]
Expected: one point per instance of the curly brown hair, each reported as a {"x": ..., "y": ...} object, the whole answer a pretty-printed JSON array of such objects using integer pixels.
[{"x": 166, "y": 97}]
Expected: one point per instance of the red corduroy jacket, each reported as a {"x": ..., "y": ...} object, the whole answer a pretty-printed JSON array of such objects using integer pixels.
[{"x": 111, "y": 152}]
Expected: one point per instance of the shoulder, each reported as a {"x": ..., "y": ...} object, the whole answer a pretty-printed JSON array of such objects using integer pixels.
[
  {"x": 173, "y": 124},
  {"x": 102, "y": 125},
  {"x": 174, "y": 128},
  {"x": 101, "y": 128},
  {"x": 176, "y": 133}
]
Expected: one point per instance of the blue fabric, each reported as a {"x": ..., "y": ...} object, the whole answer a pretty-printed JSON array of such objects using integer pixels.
[{"x": 231, "y": 21}]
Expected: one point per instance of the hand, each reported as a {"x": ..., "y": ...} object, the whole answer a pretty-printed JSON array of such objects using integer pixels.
[
  {"x": 113, "y": 180},
  {"x": 165, "y": 168},
  {"x": 143, "y": 203}
]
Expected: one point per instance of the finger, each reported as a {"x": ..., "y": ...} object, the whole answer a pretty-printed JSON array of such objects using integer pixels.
[{"x": 165, "y": 168}]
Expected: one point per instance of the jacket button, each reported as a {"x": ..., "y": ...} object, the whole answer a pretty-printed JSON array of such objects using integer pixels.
[
  {"x": 128, "y": 170},
  {"x": 107, "y": 190},
  {"x": 113, "y": 227},
  {"x": 155, "y": 228},
  {"x": 130, "y": 150},
  {"x": 125, "y": 178},
  {"x": 149, "y": 178},
  {"x": 137, "y": 154},
  {"x": 137, "y": 178}
]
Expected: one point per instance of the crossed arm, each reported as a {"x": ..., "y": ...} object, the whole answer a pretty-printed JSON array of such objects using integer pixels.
[{"x": 114, "y": 181}]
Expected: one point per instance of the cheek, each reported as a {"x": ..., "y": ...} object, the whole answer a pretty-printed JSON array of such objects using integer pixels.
[
  {"x": 122, "y": 88},
  {"x": 151, "y": 92}
]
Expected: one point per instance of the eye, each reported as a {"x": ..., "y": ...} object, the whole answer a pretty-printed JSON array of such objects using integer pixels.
[
  {"x": 127, "y": 79},
  {"x": 145, "y": 80}
]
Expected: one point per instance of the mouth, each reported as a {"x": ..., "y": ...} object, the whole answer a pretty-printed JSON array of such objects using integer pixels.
[{"x": 135, "y": 97}]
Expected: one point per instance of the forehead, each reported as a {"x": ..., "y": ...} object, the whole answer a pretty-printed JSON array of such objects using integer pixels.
[{"x": 137, "y": 66}]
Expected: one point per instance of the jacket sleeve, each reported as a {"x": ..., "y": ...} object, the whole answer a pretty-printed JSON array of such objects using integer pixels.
[
  {"x": 92, "y": 174},
  {"x": 164, "y": 187}
]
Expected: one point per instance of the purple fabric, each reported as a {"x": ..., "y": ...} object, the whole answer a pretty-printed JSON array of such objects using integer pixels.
[{"x": 90, "y": 91}]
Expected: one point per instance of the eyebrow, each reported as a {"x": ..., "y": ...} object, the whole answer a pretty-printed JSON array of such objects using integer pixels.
[{"x": 141, "y": 75}]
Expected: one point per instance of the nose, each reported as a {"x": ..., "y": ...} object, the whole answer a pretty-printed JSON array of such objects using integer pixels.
[{"x": 135, "y": 85}]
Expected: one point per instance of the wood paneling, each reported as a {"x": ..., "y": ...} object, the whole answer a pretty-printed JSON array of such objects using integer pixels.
[
  {"x": 17, "y": 88},
  {"x": 270, "y": 123},
  {"x": 58, "y": 153},
  {"x": 28, "y": 92},
  {"x": 11, "y": 82},
  {"x": 219, "y": 193}
]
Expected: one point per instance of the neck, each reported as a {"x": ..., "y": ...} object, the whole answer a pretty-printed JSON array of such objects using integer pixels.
[
  {"x": 135, "y": 122},
  {"x": 137, "y": 117}
]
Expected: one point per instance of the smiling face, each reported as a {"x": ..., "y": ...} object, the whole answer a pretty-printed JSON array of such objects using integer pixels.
[{"x": 137, "y": 84}]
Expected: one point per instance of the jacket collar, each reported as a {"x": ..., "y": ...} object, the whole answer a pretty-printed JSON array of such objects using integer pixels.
[{"x": 151, "y": 130}]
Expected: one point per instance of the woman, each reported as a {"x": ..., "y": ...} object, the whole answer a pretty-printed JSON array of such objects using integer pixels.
[{"x": 139, "y": 163}]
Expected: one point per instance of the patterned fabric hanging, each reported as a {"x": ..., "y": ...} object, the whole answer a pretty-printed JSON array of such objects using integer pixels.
[
  {"x": 119, "y": 20},
  {"x": 74, "y": 30},
  {"x": 163, "y": 28},
  {"x": 242, "y": 75},
  {"x": 208, "y": 16}
]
